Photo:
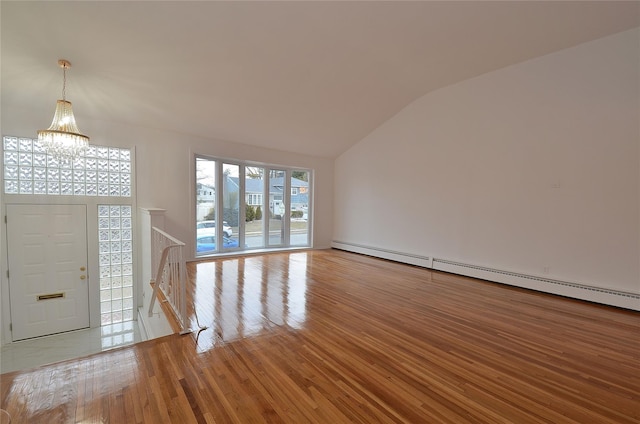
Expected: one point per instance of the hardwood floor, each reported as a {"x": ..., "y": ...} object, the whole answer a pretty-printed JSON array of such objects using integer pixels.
[{"x": 334, "y": 337}]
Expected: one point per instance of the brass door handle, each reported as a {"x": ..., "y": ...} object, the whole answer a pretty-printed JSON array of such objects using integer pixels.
[
  {"x": 82, "y": 277},
  {"x": 82, "y": 268}
]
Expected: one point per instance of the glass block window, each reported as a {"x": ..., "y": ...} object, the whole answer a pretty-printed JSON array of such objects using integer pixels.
[
  {"x": 100, "y": 171},
  {"x": 115, "y": 240}
]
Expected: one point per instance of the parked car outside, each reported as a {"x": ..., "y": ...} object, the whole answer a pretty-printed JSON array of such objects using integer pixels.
[
  {"x": 206, "y": 241},
  {"x": 226, "y": 229}
]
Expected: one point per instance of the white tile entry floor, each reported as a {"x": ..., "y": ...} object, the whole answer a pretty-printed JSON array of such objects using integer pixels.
[{"x": 59, "y": 347}]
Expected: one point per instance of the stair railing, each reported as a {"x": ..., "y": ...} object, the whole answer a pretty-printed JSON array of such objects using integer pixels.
[{"x": 167, "y": 260}]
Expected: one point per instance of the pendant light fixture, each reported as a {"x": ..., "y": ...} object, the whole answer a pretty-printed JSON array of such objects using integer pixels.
[{"x": 63, "y": 139}]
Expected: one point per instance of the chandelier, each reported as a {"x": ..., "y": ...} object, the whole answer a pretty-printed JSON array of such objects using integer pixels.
[{"x": 63, "y": 139}]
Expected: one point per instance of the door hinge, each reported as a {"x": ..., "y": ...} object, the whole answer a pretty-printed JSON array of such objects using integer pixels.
[
  {"x": 5, "y": 219},
  {"x": 7, "y": 273},
  {"x": 10, "y": 326}
]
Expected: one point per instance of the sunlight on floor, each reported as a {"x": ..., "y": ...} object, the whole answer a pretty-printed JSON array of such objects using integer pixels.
[{"x": 59, "y": 347}]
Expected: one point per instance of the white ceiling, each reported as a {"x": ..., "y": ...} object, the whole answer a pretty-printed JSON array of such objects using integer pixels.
[{"x": 309, "y": 77}]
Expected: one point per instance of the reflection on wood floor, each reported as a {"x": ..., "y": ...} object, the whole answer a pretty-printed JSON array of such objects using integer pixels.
[
  {"x": 334, "y": 337},
  {"x": 245, "y": 297}
]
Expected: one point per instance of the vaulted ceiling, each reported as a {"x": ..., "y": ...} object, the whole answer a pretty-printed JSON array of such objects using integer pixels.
[{"x": 309, "y": 77}]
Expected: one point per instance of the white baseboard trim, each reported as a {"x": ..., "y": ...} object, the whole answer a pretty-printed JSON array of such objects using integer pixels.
[{"x": 143, "y": 331}]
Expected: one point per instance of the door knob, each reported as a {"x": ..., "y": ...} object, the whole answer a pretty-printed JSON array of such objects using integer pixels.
[
  {"x": 82, "y": 277},
  {"x": 82, "y": 268}
]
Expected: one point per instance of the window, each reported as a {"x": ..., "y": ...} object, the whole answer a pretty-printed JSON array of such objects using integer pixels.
[
  {"x": 254, "y": 199},
  {"x": 277, "y": 211},
  {"x": 115, "y": 240},
  {"x": 254, "y": 225},
  {"x": 299, "y": 207},
  {"x": 254, "y": 207},
  {"x": 100, "y": 171}
]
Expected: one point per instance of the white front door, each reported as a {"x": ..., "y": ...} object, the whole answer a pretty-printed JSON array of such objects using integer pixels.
[{"x": 48, "y": 281}]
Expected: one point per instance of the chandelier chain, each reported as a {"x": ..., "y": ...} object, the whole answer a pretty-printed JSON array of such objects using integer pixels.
[{"x": 64, "y": 82}]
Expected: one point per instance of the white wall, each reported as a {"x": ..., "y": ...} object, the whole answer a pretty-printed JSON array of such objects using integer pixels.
[{"x": 533, "y": 168}]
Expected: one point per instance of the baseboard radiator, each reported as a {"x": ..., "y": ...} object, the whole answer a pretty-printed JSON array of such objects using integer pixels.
[
  {"x": 391, "y": 255},
  {"x": 605, "y": 296}
]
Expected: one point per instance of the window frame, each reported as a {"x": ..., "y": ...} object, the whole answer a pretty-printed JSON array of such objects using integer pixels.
[{"x": 244, "y": 199}]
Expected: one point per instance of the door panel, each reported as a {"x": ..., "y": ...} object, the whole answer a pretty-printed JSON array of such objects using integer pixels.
[{"x": 48, "y": 284}]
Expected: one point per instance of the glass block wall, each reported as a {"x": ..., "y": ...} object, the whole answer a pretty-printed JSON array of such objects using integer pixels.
[
  {"x": 116, "y": 263},
  {"x": 101, "y": 171}
]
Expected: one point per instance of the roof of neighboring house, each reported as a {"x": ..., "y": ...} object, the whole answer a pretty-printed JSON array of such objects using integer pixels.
[
  {"x": 300, "y": 198},
  {"x": 256, "y": 185},
  {"x": 253, "y": 186}
]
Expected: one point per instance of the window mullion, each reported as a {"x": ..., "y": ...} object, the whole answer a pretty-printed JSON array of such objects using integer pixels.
[
  {"x": 242, "y": 204},
  {"x": 219, "y": 218},
  {"x": 286, "y": 198}
]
